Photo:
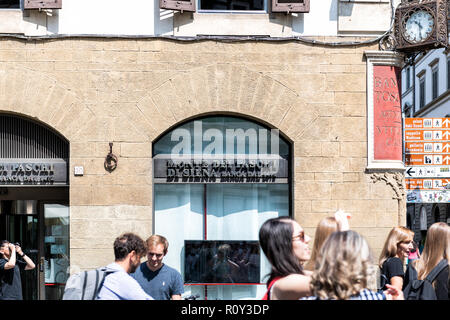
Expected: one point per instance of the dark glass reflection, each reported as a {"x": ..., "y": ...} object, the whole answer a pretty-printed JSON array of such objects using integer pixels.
[
  {"x": 221, "y": 262},
  {"x": 232, "y": 5},
  {"x": 9, "y": 4}
]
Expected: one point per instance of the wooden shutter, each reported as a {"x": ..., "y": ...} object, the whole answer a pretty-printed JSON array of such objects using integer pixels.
[
  {"x": 42, "y": 4},
  {"x": 181, "y": 5},
  {"x": 290, "y": 5}
]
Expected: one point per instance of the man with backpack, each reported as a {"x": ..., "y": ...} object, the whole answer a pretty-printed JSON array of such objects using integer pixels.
[{"x": 112, "y": 282}]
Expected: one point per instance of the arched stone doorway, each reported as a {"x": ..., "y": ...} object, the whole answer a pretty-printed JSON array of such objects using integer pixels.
[{"x": 34, "y": 201}]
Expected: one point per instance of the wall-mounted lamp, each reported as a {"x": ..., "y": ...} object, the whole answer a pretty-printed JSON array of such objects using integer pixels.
[{"x": 110, "y": 160}]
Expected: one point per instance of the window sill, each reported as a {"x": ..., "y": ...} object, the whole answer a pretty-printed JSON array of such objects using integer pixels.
[{"x": 242, "y": 24}]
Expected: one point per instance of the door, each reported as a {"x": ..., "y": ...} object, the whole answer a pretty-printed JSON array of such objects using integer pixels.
[
  {"x": 54, "y": 259},
  {"x": 42, "y": 229},
  {"x": 19, "y": 223}
]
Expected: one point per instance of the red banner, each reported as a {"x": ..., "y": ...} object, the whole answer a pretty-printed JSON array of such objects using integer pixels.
[{"x": 387, "y": 113}]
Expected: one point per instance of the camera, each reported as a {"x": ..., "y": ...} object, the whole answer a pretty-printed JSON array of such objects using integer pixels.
[{"x": 17, "y": 244}]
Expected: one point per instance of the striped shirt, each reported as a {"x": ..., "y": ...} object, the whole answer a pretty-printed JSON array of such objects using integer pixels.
[{"x": 364, "y": 294}]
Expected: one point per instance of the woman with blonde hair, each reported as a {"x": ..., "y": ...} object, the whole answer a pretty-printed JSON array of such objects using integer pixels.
[
  {"x": 326, "y": 227},
  {"x": 393, "y": 256},
  {"x": 344, "y": 270},
  {"x": 435, "y": 252}
]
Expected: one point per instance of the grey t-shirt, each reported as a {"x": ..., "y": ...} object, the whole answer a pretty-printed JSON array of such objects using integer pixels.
[
  {"x": 160, "y": 284},
  {"x": 10, "y": 282}
]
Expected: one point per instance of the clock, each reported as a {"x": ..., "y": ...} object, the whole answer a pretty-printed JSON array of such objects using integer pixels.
[{"x": 419, "y": 25}]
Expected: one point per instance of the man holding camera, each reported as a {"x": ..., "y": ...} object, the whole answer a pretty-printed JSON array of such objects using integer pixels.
[{"x": 12, "y": 260}]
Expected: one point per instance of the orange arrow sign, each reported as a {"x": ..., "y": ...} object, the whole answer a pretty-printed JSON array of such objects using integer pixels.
[{"x": 424, "y": 184}]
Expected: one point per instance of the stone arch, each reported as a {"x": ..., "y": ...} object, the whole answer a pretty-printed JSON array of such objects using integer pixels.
[
  {"x": 221, "y": 88},
  {"x": 39, "y": 97}
]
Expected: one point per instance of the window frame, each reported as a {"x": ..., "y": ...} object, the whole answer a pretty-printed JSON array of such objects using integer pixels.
[
  {"x": 422, "y": 95},
  {"x": 435, "y": 82},
  {"x": 408, "y": 77},
  {"x": 448, "y": 73}
]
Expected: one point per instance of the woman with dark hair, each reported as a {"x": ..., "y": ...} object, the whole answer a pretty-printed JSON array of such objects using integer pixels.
[{"x": 285, "y": 245}]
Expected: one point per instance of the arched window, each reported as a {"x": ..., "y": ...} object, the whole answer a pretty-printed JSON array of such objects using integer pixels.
[
  {"x": 216, "y": 180},
  {"x": 423, "y": 219}
]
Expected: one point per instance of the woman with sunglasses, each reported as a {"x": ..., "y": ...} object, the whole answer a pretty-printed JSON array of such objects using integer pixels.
[
  {"x": 393, "y": 257},
  {"x": 285, "y": 245}
]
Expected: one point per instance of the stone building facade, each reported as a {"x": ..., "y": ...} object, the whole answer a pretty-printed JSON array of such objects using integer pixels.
[
  {"x": 130, "y": 91},
  {"x": 96, "y": 91}
]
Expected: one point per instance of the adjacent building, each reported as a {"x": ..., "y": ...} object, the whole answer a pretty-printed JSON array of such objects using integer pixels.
[{"x": 426, "y": 94}]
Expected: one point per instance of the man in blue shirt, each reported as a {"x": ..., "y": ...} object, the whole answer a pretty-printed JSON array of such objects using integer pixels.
[
  {"x": 156, "y": 278},
  {"x": 119, "y": 285}
]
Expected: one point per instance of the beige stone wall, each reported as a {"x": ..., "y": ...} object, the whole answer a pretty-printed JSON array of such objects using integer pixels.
[{"x": 129, "y": 91}]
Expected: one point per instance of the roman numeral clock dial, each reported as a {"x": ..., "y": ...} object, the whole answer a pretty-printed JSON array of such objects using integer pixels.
[{"x": 418, "y": 26}]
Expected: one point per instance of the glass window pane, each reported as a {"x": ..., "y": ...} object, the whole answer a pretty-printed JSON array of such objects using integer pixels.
[
  {"x": 231, "y": 4},
  {"x": 178, "y": 216},
  {"x": 221, "y": 135},
  {"x": 56, "y": 250},
  {"x": 236, "y": 212},
  {"x": 9, "y": 4}
]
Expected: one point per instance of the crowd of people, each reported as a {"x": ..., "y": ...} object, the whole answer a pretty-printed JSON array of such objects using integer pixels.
[{"x": 340, "y": 265}]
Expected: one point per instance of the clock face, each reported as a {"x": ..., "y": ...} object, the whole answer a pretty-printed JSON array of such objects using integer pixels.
[{"x": 419, "y": 26}]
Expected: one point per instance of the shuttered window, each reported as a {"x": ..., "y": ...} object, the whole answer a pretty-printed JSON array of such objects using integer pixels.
[
  {"x": 20, "y": 138},
  {"x": 42, "y": 4},
  {"x": 422, "y": 92},
  {"x": 290, "y": 5},
  {"x": 435, "y": 83},
  {"x": 180, "y": 5}
]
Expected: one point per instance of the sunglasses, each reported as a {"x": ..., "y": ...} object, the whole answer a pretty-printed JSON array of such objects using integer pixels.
[
  {"x": 300, "y": 236},
  {"x": 158, "y": 255}
]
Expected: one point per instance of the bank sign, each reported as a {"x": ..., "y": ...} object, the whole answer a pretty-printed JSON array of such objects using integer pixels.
[
  {"x": 34, "y": 172},
  {"x": 268, "y": 170}
]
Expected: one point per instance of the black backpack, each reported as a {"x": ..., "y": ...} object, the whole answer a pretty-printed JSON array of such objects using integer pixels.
[
  {"x": 383, "y": 279},
  {"x": 423, "y": 289}
]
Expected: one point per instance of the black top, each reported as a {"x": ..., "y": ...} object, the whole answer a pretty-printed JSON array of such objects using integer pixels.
[
  {"x": 441, "y": 284},
  {"x": 10, "y": 282},
  {"x": 393, "y": 267}
]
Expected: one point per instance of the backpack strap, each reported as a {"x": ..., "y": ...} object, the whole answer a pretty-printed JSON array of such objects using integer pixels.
[
  {"x": 412, "y": 273},
  {"x": 436, "y": 270},
  {"x": 97, "y": 275},
  {"x": 85, "y": 276},
  {"x": 99, "y": 282}
]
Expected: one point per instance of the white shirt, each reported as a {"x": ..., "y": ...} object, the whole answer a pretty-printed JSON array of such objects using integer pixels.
[{"x": 121, "y": 286}]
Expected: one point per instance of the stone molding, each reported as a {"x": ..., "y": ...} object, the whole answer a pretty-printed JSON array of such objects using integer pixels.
[{"x": 374, "y": 58}]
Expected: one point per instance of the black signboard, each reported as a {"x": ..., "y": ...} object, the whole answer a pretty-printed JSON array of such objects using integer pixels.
[{"x": 33, "y": 172}]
